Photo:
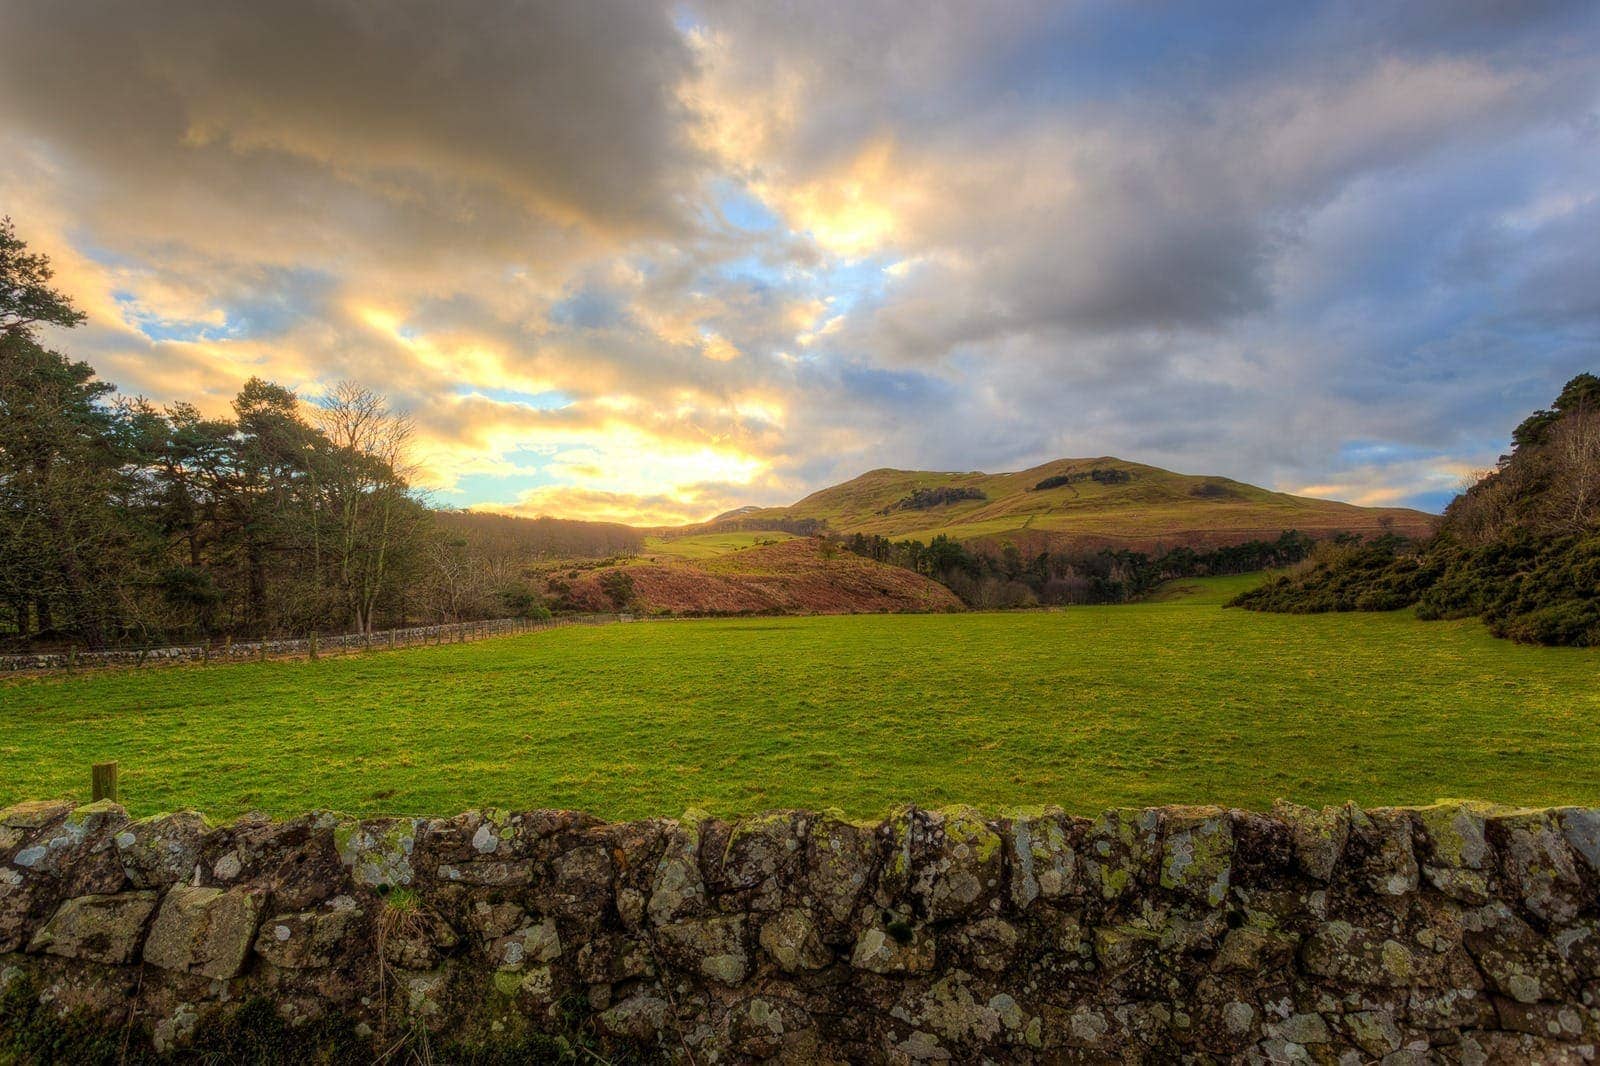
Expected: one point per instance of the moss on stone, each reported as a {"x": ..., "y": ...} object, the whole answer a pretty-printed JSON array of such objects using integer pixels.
[
  {"x": 965, "y": 825},
  {"x": 99, "y": 808}
]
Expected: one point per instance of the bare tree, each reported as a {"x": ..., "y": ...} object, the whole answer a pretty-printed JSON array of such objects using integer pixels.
[
  {"x": 1573, "y": 502},
  {"x": 366, "y": 484},
  {"x": 456, "y": 584}
]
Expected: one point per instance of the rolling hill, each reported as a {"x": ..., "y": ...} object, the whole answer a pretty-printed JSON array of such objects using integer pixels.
[{"x": 1104, "y": 501}]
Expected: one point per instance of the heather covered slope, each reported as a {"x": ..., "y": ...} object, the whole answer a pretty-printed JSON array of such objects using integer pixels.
[
  {"x": 1105, "y": 500},
  {"x": 800, "y": 576}
]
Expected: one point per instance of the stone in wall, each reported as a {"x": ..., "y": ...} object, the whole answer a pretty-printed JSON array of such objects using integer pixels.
[{"x": 1453, "y": 933}]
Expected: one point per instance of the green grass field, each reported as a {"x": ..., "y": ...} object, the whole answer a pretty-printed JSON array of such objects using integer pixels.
[{"x": 1171, "y": 701}]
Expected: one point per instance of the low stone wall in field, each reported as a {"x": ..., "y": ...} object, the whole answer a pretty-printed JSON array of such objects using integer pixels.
[
  {"x": 1451, "y": 934},
  {"x": 324, "y": 644}
]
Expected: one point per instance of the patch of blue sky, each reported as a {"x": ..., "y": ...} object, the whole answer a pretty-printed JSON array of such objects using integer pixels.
[
  {"x": 1433, "y": 501},
  {"x": 550, "y": 400},
  {"x": 283, "y": 301},
  {"x": 685, "y": 20},
  {"x": 855, "y": 284},
  {"x": 157, "y": 328},
  {"x": 1365, "y": 452},
  {"x": 740, "y": 208},
  {"x": 472, "y": 489}
]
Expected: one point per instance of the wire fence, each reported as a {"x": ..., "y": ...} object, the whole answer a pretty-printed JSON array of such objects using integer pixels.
[{"x": 310, "y": 646}]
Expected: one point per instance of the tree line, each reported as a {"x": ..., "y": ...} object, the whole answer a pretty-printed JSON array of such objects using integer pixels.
[
  {"x": 1005, "y": 576},
  {"x": 121, "y": 521}
]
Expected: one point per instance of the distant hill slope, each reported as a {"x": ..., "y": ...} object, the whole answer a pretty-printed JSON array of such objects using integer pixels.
[
  {"x": 1105, "y": 500},
  {"x": 526, "y": 539},
  {"x": 800, "y": 576}
]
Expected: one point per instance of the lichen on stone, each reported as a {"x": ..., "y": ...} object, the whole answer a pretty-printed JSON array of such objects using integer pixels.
[{"x": 378, "y": 852}]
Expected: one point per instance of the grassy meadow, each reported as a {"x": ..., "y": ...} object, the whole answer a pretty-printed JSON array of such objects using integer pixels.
[{"x": 1176, "y": 700}]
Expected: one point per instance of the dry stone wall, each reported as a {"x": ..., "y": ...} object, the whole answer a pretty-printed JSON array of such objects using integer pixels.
[
  {"x": 327, "y": 644},
  {"x": 1457, "y": 933}
]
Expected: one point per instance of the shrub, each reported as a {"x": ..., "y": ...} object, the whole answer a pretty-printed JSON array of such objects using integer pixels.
[
  {"x": 618, "y": 586},
  {"x": 521, "y": 601},
  {"x": 1570, "y": 622}
]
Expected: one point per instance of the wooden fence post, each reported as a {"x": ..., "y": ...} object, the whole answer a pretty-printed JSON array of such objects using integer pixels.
[
  {"x": 104, "y": 781},
  {"x": 311, "y": 646}
]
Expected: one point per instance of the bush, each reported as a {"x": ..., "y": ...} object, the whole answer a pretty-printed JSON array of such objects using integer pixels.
[
  {"x": 1570, "y": 622},
  {"x": 1533, "y": 589},
  {"x": 618, "y": 585},
  {"x": 521, "y": 601},
  {"x": 1384, "y": 575}
]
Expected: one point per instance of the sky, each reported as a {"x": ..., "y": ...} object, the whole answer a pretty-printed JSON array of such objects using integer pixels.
[{"x": 649, "y": 262}]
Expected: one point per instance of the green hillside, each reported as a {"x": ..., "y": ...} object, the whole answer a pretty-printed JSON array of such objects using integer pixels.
[{"x": 1150, "y": 505}]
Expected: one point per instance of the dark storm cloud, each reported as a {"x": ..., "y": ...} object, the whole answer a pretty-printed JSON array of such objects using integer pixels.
[{"x": 453, "y": 130}]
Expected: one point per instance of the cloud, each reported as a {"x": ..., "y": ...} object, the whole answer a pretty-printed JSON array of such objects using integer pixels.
[
  {"x": 659, "y": 260},
  {"x": 565, "y": 116}
]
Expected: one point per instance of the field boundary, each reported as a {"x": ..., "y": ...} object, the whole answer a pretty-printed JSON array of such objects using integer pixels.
[
  {"x": 291, "y": 647},
  {"x": 1457, "y": 929}
]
